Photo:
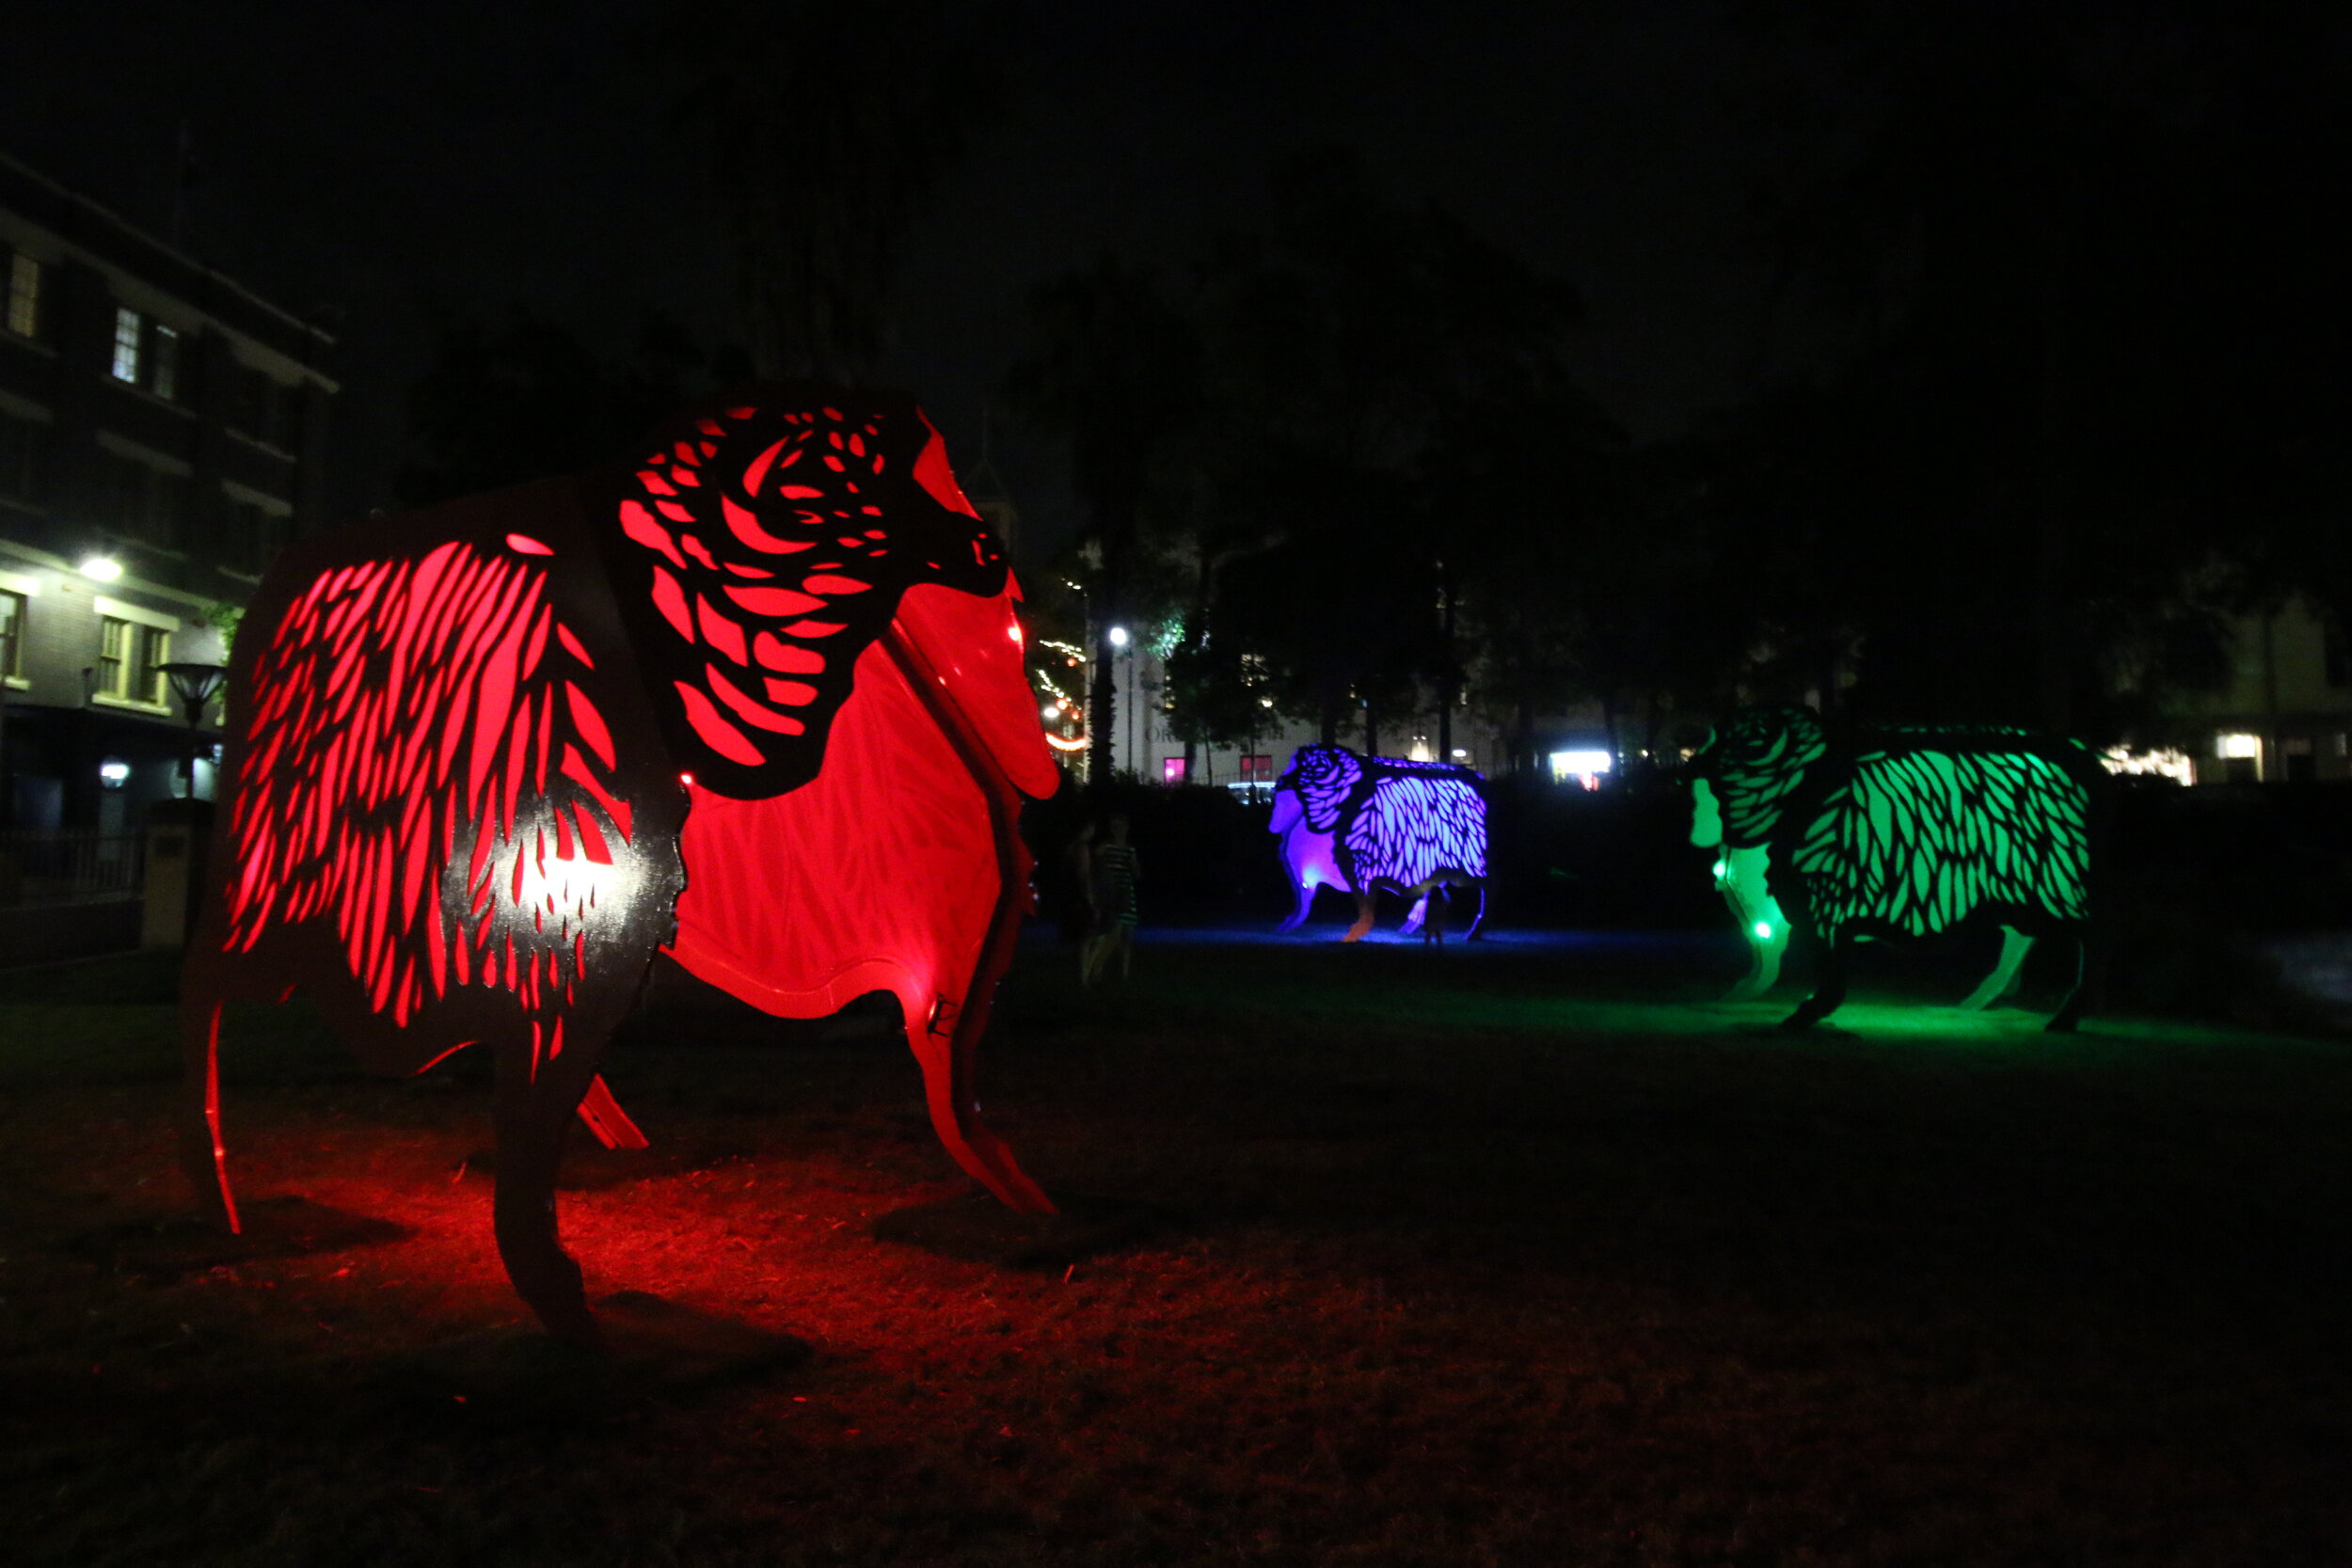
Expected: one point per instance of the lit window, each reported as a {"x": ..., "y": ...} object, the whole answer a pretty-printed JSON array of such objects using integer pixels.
[
  {"x": 2237, "y": 746},
  {"x": 167, "y": 377},
  {"x": 1172, "y": 770},
  {"x": 23, "y": 297},
  {"x": 147, "y": 676},
  {"x": 130, "y": 661},
  {"x": 126, "y": 364},
  {"x": 11, "y": 633},
  {"x": 1257, "y": 769},
  {"x": 114, "y": 641}
]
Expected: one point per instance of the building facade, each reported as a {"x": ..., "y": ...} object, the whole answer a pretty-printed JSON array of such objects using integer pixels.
[
  {"x": 2283, "y": 714},
  {"x": 161, "y": 431}
]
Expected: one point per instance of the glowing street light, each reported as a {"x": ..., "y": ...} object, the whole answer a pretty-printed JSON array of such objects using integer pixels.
[
  {"x": 1117, "y": 636},
  {"x": 102, "y": 568}
]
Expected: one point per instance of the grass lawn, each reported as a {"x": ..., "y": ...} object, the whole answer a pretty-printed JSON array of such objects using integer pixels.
[{"x": 1520, "y": 1254}]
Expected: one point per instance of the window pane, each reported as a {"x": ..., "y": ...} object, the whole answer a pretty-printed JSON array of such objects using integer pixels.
[
  {"x": 25, "y": 296},
  {"x": 167, "y": 362},
  {"x": 285, "y": 418},
  {"x": 11, "y": 632},
  {"x": 112, "y": 635},
  {"x": 126, "y": 364},
  {"x": 20, "y": 458},
  {"x": 250, "y": 391},
  {"x": 154, "y": 652},
  {"x": 168, "y": 507}
]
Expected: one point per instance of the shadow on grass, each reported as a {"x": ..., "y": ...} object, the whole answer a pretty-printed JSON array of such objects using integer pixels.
[
  {"x": 978, "y": 1228},
  {"x": 160, "y": 1251},
  {"x": 655, "y": 1351}
]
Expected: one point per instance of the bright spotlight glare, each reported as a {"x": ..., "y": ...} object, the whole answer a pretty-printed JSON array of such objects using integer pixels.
[
  {"x": 1119, "y": 637},
  {"x": 102, "y": 568}
]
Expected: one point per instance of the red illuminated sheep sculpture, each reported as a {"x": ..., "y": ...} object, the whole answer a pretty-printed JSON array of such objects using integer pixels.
[{"x": 758, "y": 699}]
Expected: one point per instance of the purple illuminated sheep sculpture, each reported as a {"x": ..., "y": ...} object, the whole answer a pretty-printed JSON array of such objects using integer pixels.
[{"x": 1360, "y": 824}]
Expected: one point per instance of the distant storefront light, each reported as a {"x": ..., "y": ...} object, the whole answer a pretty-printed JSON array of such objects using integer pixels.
[
  {"x": 113, "y": 773},
  {"x": 2164, "y": 762},
  {"x": 2237, "y": 745},
  {"x": 1580, "y": 768}
]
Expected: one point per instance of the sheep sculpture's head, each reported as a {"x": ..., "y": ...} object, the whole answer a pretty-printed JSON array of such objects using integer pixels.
[
  {"x": 1743, "y": 776},
  {"x": 1319, "y": 781}
]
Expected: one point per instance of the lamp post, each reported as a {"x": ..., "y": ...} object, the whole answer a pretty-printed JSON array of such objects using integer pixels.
[
  {"x": 194, "y": 685},
  {"x": 1122, "y": 654}
]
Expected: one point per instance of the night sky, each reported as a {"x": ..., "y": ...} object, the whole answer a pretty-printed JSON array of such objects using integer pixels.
[{"x": 376, "y": 159}]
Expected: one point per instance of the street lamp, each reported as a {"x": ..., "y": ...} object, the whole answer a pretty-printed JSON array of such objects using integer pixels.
[{"x": 194, "y": 685}]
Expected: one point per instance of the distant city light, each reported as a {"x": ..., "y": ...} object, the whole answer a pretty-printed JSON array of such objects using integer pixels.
[
  {"x": 1050, "y": 712},
  {"x": 102, "y": 568},
  {"x": 1117, "y": 636},
  {"x": 114, "y": 774},
  {"x": 2237, "y": 745}
]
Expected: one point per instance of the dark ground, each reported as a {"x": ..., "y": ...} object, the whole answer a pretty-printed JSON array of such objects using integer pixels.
[{"x": 1517, "y": 1254}]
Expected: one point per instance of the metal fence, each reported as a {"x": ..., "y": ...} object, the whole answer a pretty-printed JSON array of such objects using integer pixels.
[{"x": 77, "y": 865}]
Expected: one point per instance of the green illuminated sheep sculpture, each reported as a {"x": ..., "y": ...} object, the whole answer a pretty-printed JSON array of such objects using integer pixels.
[{"x": 1846, "y": 833}]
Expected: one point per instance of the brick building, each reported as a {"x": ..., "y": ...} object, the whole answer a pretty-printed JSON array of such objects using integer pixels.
[{"x": 161, "y": 435}]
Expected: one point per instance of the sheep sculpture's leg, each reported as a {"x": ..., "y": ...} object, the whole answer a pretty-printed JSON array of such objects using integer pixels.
[
  {"x": 533, "y": 1112},
  {"x": 202, "y": 1155},
  {"x": 1829, "y": 988},
  {"x": 1363, "y": 916},
  {"x": 2016, "y": 944},
  {"x": 205, "y": 983},
  {"x": 1418, "y": 912},
  {"x": 2089, "y": 968},
  {"x": 1763, "y": 973}
]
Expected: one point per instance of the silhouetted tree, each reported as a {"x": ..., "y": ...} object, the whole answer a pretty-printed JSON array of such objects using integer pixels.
[
  {"x": 1115, "y": 373},
  {"x": 824, "y": 129},
  {"x": 1357, "y": 341},
  {"x": 525, "y": 398},
  {"x": 2096, "y": 327}
]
